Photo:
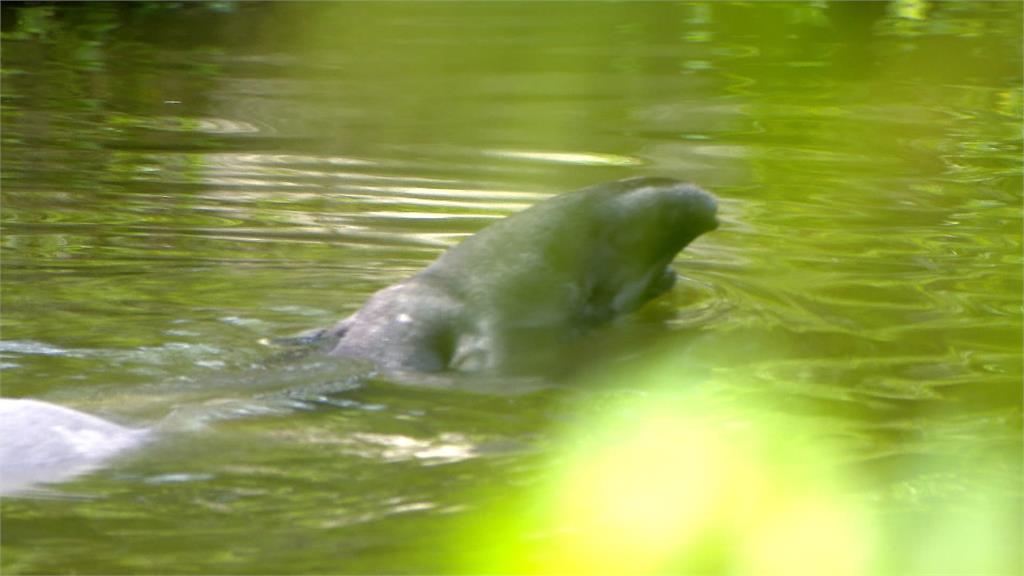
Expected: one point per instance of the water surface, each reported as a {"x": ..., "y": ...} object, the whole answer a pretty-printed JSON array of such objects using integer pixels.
[{"x": 181, "y": 181}]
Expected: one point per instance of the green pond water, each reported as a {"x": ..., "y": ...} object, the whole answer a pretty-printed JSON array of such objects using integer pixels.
[{"x": 180, "y": 181}]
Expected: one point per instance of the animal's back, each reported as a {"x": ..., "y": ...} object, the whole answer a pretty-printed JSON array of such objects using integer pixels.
[
  {"x": 42, "y": 442},
  {"x": 526, "y": 285}
]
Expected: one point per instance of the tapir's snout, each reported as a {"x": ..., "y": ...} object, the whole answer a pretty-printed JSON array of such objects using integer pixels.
[{"x": 699, "y": 207}]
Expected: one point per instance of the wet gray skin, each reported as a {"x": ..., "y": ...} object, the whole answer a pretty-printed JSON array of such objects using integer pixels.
[
  {"x": 43, "y": 442},
  {"x": 510, "y": 297}
]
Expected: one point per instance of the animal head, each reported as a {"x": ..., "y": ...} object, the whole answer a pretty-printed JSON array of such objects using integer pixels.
[
  {"x": 651, "y": 217},
  {"x": 646, "y": 222}
]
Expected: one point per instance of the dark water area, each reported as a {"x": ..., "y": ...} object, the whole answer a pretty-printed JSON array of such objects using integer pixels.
[{"x": 183, "y": 180}]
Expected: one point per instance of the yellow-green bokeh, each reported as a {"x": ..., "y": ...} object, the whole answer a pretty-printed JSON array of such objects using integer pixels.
[
  {"x": 668, "y": 479},
  {"x": 675, "y": 473}
]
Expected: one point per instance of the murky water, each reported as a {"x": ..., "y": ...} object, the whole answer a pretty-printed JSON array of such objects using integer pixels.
[{"x": 180, "y": 182}]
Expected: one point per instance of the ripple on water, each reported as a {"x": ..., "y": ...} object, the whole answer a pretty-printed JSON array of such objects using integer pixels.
[
  {"x": 194, "y": 124},
  {"x": 31, "y": 347},
  {"x": 561, "y": 157}
]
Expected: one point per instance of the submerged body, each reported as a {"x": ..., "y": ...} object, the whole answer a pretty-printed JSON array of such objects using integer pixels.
[
  {"x": 43, "y": 442},
  {"x": 509, "y": 297}
]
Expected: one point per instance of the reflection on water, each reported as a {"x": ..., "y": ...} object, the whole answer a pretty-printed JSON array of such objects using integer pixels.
[{"x": 181, "y": 181}]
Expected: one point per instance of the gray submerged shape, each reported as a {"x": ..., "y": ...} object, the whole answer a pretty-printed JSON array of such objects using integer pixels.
[{"x": 42, "y": 442}]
